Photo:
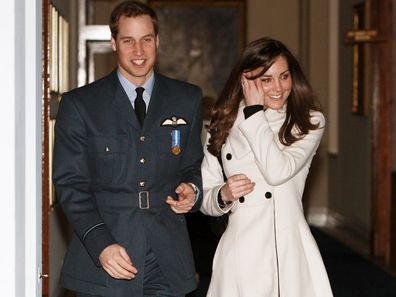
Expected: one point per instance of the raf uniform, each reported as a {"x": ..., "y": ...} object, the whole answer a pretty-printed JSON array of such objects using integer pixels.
[{"x": 112, "y": 177}]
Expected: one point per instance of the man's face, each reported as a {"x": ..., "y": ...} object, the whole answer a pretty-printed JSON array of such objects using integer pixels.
[{"x": 136, "y": 46}]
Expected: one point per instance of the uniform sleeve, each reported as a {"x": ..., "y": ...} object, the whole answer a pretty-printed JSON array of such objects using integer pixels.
[
  {"x": 212, "y": 181},
  {"x": 278, "y": 163},
  {"x": 72, "y": 180},
  {"x": 192, "y": 158}
]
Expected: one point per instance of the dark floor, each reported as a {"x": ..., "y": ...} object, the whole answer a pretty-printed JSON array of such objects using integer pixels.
[{"x": 350, "y": 274}]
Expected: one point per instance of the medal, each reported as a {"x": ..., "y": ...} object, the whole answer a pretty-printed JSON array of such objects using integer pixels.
[
  {"x": 175, "y": 149},
  {"x": 175, "y": 122}
]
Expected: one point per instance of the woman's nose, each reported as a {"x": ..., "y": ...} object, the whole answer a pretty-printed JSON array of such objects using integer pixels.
[{"x": 278, "y": 85}]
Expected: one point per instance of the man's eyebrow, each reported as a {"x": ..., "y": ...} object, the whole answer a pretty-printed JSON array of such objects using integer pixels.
[{"x": 144, "y": 36}]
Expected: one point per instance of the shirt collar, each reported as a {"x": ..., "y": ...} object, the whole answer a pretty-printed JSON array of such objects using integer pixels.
[{"x": 130, "y": 87}]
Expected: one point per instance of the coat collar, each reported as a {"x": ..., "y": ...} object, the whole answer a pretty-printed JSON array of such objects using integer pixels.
[
  {"x": 122, "y": 105},
  {"x": 239, "y": 145}
]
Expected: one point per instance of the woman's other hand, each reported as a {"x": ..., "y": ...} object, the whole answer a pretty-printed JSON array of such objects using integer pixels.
[{"x": 237, "y": 185}]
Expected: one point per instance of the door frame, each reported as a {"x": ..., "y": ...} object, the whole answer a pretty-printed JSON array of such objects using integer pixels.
[
  {"x": 381, "y": 131},
  {"x": 45, "y": 157}
]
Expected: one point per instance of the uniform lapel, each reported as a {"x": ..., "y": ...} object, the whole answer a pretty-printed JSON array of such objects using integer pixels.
[
  {"x": 120, "y": 101},
  {"x": 157, "y": 102}
]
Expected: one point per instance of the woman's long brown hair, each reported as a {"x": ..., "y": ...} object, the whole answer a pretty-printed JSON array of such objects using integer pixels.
[{"x": 263, "y": 53}]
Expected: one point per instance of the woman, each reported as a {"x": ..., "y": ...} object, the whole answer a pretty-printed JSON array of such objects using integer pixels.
[{"x": 266, "y": 128}]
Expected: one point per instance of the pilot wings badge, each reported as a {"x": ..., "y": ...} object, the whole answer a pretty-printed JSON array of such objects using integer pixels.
[
  {"x": 175, "y": 134},
  {"x": 174, "y": 122}
]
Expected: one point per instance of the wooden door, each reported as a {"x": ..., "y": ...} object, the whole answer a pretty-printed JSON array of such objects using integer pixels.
[{"x": 55, "y": 83}]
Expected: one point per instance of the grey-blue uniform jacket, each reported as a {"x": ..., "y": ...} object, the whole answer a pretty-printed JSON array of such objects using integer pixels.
[{"x": 106, "y": 171}]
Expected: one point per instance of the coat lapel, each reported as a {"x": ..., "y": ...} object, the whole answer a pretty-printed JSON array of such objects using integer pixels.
[
  {"x": 157, "y": 103},
  {"x": 120, "y": 101},
  {"x": 122, "y": 105},
  {"x": 238, "y": 143}
]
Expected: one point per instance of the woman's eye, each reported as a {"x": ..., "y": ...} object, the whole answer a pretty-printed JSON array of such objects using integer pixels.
[
  {"x": 285, "y": 76},
  {"x": 265, "y": 79}
]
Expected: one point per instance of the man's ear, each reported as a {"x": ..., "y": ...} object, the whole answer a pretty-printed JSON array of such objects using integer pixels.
[
  {"x": 157, "y": 40},
  {"x": 113, "y": 44}
]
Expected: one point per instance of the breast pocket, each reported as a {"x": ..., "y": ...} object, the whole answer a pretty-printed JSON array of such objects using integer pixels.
[
  {"x": 108, "y": 158},
  {"x": 170, "y": 137},
  {"x": 169, "y": 150}
]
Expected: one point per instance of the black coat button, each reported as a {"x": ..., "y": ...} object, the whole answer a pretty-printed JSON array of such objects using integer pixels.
[
  {"x": 268, "y": 195},
  {"x": 242, "y": 199},
  {"x": 228, "y": 156}
]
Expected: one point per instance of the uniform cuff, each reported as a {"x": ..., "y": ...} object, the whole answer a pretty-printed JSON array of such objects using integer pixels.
[{"x": 96, "y": 240}]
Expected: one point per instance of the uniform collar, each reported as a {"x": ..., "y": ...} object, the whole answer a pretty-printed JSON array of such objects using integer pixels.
[{"x": 130, "y": 87}]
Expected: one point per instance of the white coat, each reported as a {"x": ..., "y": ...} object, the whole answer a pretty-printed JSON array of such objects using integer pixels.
[{"x": 267, "y": 249}]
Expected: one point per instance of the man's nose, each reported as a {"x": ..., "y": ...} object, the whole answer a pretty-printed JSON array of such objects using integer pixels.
[{"x": 138, "y": 49}]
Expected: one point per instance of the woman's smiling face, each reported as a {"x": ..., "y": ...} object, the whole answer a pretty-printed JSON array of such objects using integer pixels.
[{"x": 276, "y": 83}]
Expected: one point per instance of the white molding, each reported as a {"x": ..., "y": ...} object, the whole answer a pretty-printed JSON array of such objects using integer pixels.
[
  {"x": 20, "y": 150},
  {"x": 317, "y": 216},
  {"x": 32, "y": 170}
]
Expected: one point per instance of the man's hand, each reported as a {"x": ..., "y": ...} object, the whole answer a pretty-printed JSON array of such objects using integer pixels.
[
  {"x": 116, "y": 262},
  {"x": 186, "y": 200}
]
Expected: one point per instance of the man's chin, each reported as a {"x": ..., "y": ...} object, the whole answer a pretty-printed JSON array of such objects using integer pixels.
[{"x": 141, "y": 72}]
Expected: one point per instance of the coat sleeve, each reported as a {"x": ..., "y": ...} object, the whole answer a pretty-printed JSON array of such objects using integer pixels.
[
  {"x": 212, "y": 181},
  {"x": 71, "y": 178},
  {"x": 278, "y": 163},
  {"x": 190, "y": 168}
]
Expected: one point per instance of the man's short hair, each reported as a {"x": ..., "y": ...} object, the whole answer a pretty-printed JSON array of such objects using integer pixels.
[{"x": 131, "y": 8}]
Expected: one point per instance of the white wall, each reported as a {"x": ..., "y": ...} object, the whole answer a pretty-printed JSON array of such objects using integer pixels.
[
  {"x": 317, "y": 72},
  {"x": 7, "y": 150},
  {"x": 20, "y": 150}
]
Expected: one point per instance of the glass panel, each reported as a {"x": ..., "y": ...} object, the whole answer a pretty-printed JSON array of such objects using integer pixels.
[{"x": 101, "y": 59}]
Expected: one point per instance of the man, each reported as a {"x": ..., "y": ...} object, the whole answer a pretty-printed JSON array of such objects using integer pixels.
[{"x": 123, "y": 178}]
